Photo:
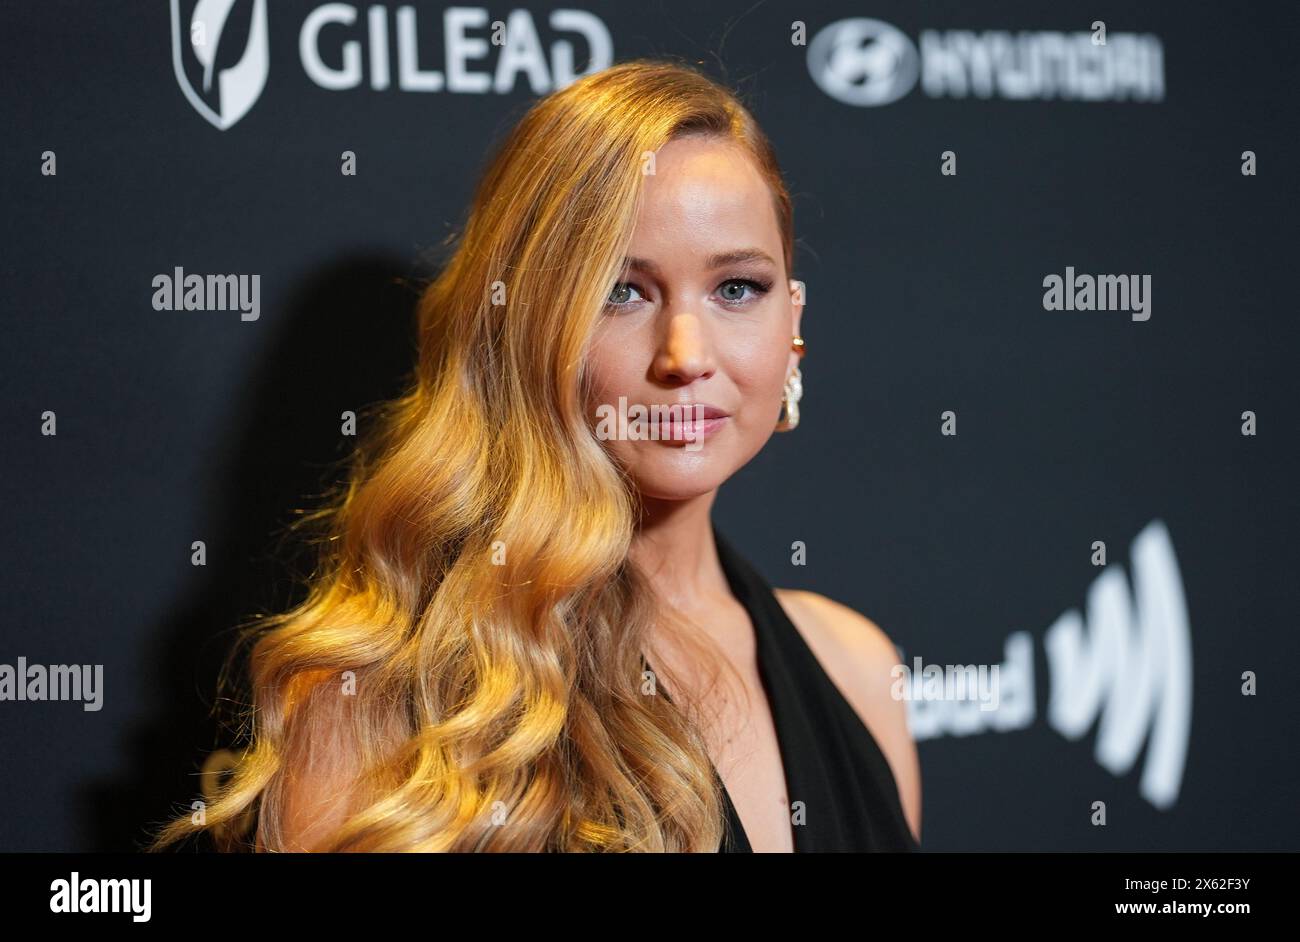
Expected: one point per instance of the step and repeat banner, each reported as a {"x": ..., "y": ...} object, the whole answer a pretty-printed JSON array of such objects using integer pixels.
[{"x": 1048, "y": 437}]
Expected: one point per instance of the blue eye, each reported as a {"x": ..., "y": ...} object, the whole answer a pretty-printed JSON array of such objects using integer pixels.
[
  {"x": 618, "y": 289},
  {"x": 758, "y": 287}
]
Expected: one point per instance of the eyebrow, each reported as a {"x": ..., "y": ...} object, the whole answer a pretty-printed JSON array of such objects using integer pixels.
[{"x": 719, "y": 260}]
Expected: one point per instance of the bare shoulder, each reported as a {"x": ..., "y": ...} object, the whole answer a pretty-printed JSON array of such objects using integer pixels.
[
  {"x": 837, "y": 626},
  {"x": 859, "y": 658}
]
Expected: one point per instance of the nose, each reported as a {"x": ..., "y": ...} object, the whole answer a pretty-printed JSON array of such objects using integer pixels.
[{"x": 685, "y": 353}]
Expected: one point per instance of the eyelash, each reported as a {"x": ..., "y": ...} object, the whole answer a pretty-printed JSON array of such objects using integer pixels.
[{"x": 759, "y": 285}]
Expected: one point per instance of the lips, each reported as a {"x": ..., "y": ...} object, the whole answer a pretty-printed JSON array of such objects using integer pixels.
[
  {"x": 692, "y": 410},
  {"x": 687, "y": 421}
]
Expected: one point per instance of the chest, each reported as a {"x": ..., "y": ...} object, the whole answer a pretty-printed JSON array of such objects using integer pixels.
[{"x": 740, "y": 730}]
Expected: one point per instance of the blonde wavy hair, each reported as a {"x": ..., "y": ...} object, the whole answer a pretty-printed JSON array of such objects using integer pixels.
[{"x": 469, "y": 654}]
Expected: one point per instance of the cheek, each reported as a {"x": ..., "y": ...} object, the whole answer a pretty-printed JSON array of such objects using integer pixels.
[
  {"x": 606, "y": 374},
  {"x": 760, "y": 371}
]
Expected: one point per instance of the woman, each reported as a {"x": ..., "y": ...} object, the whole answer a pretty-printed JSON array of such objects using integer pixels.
[{"x": 518, "y": 636}]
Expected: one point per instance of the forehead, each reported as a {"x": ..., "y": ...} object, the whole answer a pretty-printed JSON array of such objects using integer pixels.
[{"x": 705, "y": 192}]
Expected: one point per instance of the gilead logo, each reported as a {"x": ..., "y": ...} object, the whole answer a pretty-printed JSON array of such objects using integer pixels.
[
  {"x": 223, "y": 96},
  {"x": 221, "y": 59}
]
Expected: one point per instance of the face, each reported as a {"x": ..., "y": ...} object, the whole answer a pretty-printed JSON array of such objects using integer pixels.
[{"x": 703, "y": 313}]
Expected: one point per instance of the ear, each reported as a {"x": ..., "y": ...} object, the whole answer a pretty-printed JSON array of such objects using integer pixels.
[{"x": 797, "y": 292}]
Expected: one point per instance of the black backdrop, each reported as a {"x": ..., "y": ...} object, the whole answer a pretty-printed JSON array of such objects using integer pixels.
[{"x": 925, "y": 295}]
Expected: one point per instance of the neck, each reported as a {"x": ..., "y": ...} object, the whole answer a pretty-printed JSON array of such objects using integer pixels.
[{"x": 674, "y": 547}]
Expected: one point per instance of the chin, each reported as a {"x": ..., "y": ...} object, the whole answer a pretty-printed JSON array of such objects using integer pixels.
[{"x": 678, "y": 474}]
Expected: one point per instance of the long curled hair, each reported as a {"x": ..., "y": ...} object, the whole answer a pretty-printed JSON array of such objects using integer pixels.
[{"x": 468, "y": 659}]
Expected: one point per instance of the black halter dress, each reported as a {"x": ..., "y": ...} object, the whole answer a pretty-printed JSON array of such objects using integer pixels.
[{"x": 832, "y": 763}]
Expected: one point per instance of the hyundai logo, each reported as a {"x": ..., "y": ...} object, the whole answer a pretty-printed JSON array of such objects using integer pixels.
[{"x": 863, "y": 62}]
